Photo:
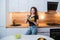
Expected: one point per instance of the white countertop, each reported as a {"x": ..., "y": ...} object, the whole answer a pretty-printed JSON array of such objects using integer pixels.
[{"x": 26, "y": 37}]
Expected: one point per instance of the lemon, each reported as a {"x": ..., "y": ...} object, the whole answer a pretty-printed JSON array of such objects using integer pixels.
[
  {"x": 18, "y": 36},
  {"x": 31, "y": 19}
]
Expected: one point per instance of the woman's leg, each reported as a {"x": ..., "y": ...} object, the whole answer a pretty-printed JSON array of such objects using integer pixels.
[
  {"x": 34, "y": 30},
  {"x": 28, "y": 31}
]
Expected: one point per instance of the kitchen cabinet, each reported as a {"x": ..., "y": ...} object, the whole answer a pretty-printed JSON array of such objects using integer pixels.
[{"x": 13, "y": 5}]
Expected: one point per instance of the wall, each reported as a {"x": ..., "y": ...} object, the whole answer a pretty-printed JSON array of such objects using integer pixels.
[
  {"x": 25, "y": 5},
  {"x": 2, "y": 16},
  {"x": 10, "y": 31}
]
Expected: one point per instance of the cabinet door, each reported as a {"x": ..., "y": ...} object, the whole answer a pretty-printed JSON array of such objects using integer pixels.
[
  {"x": 2, "y": 12},
  {"x": 13, "y": 5}
]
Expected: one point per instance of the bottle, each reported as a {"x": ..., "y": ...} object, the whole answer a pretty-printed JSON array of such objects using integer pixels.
[{"x": 14, "y": 23}]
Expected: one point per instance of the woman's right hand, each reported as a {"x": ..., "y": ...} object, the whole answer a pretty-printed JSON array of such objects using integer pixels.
[{"x": 27, "y": 19}]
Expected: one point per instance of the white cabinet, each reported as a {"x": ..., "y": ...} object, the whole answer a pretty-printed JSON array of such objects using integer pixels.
[
  {"x": 58, "y": 9},
  {"x": 12, "y": 5},
  {"x": 25, "y": 5},
  {"x": 2, "y": 12}
]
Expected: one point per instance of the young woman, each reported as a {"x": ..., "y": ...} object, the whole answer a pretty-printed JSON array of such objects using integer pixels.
[{"x": 32, "y": 20}]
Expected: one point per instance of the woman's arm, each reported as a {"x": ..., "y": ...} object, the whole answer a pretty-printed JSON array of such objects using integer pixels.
[
  {"x": 27, "y": 18},
  {"x": 36, "y": 23},
  {"x": 26, "y": 21}
]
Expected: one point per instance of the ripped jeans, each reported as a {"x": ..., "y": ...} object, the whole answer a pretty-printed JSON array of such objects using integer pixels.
[{"x": 32, "y": 30}]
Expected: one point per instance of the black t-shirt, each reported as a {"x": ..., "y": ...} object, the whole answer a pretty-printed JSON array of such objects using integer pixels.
[{"x": 31, "y": 23}]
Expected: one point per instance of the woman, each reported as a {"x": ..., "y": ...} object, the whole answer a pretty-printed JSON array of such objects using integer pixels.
[{"x": 32, "y": 20}]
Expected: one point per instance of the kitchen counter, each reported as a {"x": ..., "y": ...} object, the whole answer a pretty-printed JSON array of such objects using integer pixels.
[{"x": 26, "y": 37}]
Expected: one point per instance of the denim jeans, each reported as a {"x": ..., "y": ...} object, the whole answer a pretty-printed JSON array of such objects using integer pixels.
[{"x": 32, "y": 30}]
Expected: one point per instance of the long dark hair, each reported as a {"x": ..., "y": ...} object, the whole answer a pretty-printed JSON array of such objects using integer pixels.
[{"x": 36, "y": 14}]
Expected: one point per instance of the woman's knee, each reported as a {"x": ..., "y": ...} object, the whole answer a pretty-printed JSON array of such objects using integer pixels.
[
  {"x": 28, "y": 32},
  {"x": 34, "y": 31}
]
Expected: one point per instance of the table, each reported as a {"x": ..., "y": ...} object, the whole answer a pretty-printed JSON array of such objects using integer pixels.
[{"x": 26, "y": 37}]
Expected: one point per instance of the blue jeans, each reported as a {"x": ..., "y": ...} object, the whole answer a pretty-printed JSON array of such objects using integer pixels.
[{"x": 32, "y": 30}]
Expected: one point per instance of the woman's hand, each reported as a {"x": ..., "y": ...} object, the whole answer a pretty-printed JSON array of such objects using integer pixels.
[
  {"x": 27, "y": 19},
  {"x": 34, "y": 23}
]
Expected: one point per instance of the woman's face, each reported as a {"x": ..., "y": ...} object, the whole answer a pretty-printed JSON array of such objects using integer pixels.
[{"x": 32, "y": 11}]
